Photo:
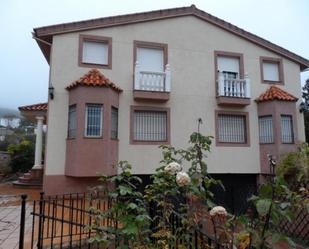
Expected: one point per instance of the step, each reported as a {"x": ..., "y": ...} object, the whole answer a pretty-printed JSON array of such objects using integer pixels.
[{"x": 27, "y": 185}]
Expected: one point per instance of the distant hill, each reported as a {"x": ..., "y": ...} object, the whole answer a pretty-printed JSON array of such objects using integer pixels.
[{"x": 8, "y": 111}]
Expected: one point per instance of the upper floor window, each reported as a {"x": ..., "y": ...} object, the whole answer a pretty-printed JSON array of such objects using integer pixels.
[
  {"x": 72, "y": 122},
  {"x": 151, "y": 56},
  {"x": 95, "y": 51},
  {"x": 94, "y": 120},
  {"x": 232, "y": 128},
  {"x": 149, "y": 125},
  {"x": 287, "y": 129},
  {"x": 266, "y": 130},
  {"x": 114, "y": 123},
  {"x": 230, "y": 64},
  {"x": 271, "y": 70}
]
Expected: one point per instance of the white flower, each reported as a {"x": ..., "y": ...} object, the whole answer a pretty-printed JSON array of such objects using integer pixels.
[
  {"x": 172, "y": 168},
  {"x": 218, "y": 210},
  {"x": 182, "y": 179}
]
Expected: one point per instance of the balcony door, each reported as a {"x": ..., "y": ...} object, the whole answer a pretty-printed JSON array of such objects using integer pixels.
[
  {"x": 229, "y": 66},
  {"x": 150, "y": 59}
]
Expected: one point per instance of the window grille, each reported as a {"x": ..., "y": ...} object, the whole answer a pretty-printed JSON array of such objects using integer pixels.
[
  {"x": 286, "y": 129},
  {"x": 114, "y": 123},
  {"x": 266, "y": 129},
  {"x": 72, "y": 122},
  {"x": 150, "y": 125},
  {"x": 231, "y": 128},
  {"x": 94, "y": 120}
]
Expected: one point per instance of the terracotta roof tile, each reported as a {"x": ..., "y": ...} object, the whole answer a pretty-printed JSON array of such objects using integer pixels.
[
  {"x": 275, "y": 93},
  {"x": 94, "y": 78},
  {"x": 35, "y": 107}
]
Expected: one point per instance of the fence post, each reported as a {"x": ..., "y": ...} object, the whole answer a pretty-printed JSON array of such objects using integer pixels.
[
  {"x": 22, "y": 221},
  {"x": 40, "y": 221}
]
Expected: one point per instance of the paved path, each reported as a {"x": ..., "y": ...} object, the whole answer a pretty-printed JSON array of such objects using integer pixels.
[{"x": 10, "y": 214}]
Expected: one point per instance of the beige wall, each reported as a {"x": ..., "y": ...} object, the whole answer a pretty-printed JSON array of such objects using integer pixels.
[{"x": 191, "y": 44}]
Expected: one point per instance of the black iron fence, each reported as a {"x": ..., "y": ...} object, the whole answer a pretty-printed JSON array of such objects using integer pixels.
[{"x": 63, "y": 221}]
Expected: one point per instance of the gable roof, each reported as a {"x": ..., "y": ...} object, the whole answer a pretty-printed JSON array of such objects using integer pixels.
[
  {"x": 43, "y": 35},
  {"x": 275, "y": 93},
  {"x": 94, "y": 78}
]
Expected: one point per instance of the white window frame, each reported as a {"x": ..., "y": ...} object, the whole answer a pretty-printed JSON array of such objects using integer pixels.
[{"x": 86, "y": 120}]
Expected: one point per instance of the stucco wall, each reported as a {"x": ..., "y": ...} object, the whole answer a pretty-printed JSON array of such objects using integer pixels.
[{"x": 191, "y": 45}]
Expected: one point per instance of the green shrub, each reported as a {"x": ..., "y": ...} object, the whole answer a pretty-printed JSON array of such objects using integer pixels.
[
  {"x": 294, "y": 167},
  {"x": 22, "y": 156}
]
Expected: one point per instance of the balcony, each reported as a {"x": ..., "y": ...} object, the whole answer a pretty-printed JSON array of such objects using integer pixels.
[
  {"x": 233, "y": 92},
  {"x": 150, "y": 85}
]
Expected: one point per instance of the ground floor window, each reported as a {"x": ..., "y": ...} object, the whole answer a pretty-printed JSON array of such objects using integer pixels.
[
  {"x": 114, "y": 123},
  {"x": 287, "y": 129},
  {"x": 232, "y": 128},
  {"x": 150, "y": 125},
  {"x": 72, "y": 122},
  {"x": 94, "y": 120},
  {"x": 266, "y": 130}
]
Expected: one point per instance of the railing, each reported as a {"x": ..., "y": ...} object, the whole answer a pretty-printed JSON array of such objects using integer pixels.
[
  {"x": 239, "y": 88},
  {"x": 152, "y": 81}
]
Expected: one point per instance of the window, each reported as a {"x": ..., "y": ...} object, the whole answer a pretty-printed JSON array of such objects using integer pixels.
[
  {"x": 232, "y": 128},
  {"x": 287, "y": 129},
  {"x": 266, "y": 130},
  {"x": 72, "y": 122},
  {"x": 150, "y": 125},
  {"x": 150, "y": 56},
  {"x": 93, "y": 120},
  {"x": 114, "y": 123},
  {"x": 95, "y": 51},
  {"x": 230, "y": 64},
  {"x": 271, "y": 70}
]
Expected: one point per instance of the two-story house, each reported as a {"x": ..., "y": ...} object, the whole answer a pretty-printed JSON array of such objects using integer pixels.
[{"x": 120, "y": 86}]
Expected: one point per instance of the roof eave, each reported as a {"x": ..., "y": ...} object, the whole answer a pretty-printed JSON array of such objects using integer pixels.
[{"x": 46, "y": 32}]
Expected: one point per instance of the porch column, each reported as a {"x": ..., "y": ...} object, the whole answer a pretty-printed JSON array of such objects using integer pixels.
[{"x": 38, "y": 143}]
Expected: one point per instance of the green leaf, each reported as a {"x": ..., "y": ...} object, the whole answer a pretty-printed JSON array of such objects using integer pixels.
[
  {"x": 263, "y": 206},
  {"x": 132, "y": 205},
  {"x": 124, "y": 190},
  {"x": 275, "y": 238}
]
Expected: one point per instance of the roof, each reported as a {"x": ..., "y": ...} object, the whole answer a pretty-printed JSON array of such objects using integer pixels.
[
  {"x": 275, "y": 93},
  {"x": 43, "y": 35},
  {"x": 94, "y": 78},
  {"x": 35, "y": 107}
]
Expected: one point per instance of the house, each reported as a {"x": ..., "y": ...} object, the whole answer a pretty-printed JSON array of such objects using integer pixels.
[{"x": 120, "y": 86}]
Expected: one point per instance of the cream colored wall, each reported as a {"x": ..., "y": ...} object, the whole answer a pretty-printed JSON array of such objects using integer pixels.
[{"x": 191, "y": 44}]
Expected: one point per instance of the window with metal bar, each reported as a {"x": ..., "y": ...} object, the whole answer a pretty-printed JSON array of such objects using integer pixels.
[
  {"x": 94, "y": 120},
  {"x": 287, "y": 129},
  {"x": 72, "y": 122},
  {"x": 231, "y": 128},
  {"x": 266, "y": 130},
  {"x": 114, "y": 123},
  {"x": 150, "y": 125}
]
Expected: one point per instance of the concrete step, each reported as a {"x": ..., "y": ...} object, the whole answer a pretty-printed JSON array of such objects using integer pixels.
[{"x": 27, "y": 185}]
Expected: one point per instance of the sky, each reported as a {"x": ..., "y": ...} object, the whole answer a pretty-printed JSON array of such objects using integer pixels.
[{"x": 25, "y": 72}]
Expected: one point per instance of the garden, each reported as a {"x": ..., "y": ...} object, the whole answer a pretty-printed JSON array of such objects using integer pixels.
[{"x": 177, "y": 209}]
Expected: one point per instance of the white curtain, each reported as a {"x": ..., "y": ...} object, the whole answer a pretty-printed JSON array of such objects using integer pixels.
[
  {"x": 228, "y": 64},
  {"x": 95, "y": 52},
  {"x": 271, "y": 71},
  {"x": 151, "y": 59}
]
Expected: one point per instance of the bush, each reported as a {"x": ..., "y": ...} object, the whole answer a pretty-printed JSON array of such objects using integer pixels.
[
  {"x": 22, "y": 156},
  {"x": 294, "y": 168}
]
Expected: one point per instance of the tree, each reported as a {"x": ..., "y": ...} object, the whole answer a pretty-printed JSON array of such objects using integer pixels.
[
  {"x": 304, "y": 107},
  {"x": 22, "y": 156}
]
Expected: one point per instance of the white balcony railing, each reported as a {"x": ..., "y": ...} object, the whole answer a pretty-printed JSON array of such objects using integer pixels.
[
  {"x": 152, "y": 81},
  {"x": 239, "y": 88}
]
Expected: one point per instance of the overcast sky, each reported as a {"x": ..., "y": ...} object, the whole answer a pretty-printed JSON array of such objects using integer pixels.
[{"x": 24, "y": 70}]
